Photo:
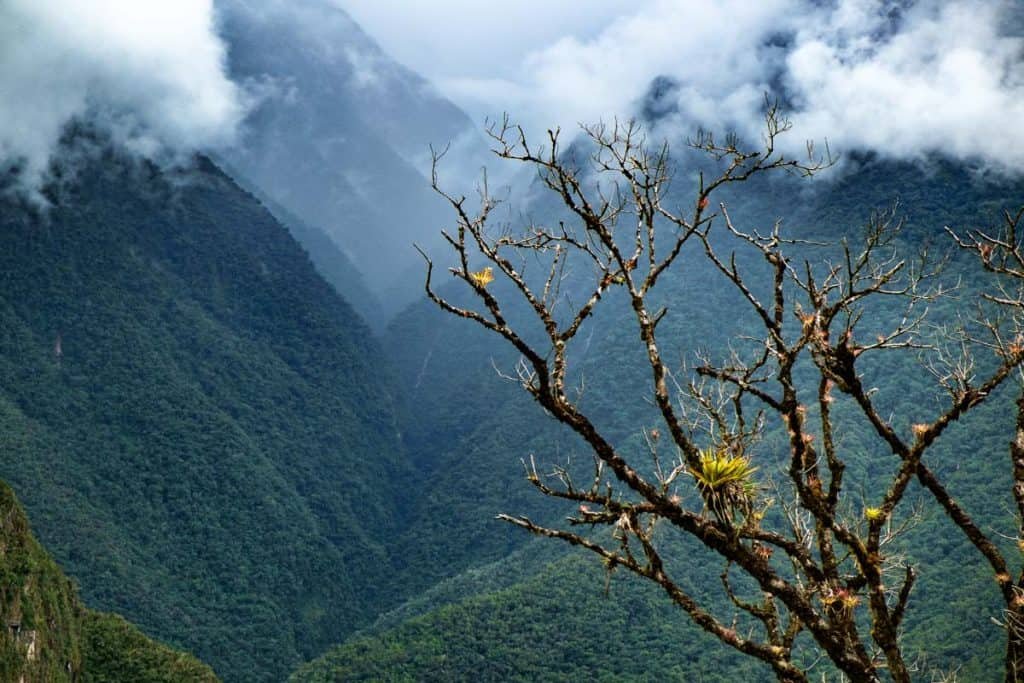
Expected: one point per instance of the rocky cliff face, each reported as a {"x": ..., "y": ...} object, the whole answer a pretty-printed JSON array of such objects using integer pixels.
[{"x": 40, "y": 618}]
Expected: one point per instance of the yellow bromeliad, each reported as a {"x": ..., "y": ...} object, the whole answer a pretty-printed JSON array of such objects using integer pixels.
[
  {"x": 718, "y": 469},
  {"x": 725, "y": 480},
  {"x": 483, "y": 277}
]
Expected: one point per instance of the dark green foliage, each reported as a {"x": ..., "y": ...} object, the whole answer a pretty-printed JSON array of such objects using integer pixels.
[
  {"x": 116, "y": 651},
  {"x": 214, "y": 453},
  {"x": 559, "y": 625},
  {"x": 48, "y": 635}
]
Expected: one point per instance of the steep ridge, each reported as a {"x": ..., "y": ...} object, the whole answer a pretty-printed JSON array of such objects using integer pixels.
[
  {"x": 49, "y": 636},
  {"x": 200, "y": 426},
  {"x": 328, "y": 258}
]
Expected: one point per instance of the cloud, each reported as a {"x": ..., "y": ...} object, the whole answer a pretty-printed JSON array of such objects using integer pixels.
[
  {"x": 149, "y": 73},
  {"x": 945, "y": 79},
  {"x": 714, "y": 50},
  {"x": 445, "y": 39},
  {"x": 548, "y": 63},
  {"x": 904, "y": 78}
]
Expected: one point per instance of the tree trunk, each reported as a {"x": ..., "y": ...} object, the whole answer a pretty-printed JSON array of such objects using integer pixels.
[
  {"x": 1015, "y": 646},
  {"x": 1015, "y": 608}
]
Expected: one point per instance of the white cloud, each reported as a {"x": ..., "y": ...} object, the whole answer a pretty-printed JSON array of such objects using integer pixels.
[
  {"x": 710, "y": 48},
  {"x": 946, "y": 81},
  {"x": 900, "y": 77},
  {"x": 945, "y": 76},
  {"x": 150, "y": 72}
]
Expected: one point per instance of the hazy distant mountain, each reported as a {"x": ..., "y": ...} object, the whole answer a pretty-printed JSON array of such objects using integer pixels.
[{"x": 341, "y": 135}]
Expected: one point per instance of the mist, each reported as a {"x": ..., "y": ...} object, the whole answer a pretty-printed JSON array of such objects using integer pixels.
[
  {"x": 946, "y": 79},
  {"x": 150, "y": 75},
  {"x": 900, "y": 78}
]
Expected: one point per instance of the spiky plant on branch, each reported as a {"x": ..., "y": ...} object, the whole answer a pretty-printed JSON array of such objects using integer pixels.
[
  {"x": 821, "y": 560},
  {"x": 726, "y": 482}
]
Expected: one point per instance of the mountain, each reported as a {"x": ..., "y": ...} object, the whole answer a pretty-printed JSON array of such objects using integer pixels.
[
  {"x": 327, "y": 257},
  {"x": 560, "y": 624},
  {"x": 212, "y": 442},
  {"x": 49, "y": 635},
  {"x": 202, "y": 429},
  {"x": 340, "y": 137}
]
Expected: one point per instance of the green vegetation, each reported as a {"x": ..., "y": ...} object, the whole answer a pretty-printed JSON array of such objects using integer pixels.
[
  {"x": 40, "y": 616},
  {"x": 473, "y": 428},
  {"x": 48, "y": 635},
  {"x": 213, "y": 452},
  {"x": 558, "y": 625},
  {"x": 115, "y": 651}
]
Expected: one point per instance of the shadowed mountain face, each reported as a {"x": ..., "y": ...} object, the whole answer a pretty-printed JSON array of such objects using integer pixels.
[
  {"x": 341, "y": 136},
  {"x": 198, "y": 424}
]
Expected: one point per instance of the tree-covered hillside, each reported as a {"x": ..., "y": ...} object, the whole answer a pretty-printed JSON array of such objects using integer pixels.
[
  {"x": 557, "y": 625},
  {"x": 200, "y": 427},
  {"x": 49, "y": 636}
]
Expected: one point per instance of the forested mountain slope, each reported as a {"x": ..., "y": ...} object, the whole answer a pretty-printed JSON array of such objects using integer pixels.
[
  {"x": 200, "y": 427},
  {"x": 558, "y": 625},
  {"x": 49, "y": 636}
]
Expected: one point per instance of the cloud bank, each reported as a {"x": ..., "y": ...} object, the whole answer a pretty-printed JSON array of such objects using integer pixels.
[
  {"x": 946, "y": 78},
  {"x": 903, "y": 78},
  {"x": 149, "y": 73}
]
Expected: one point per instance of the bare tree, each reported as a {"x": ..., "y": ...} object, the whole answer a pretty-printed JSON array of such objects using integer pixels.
[
  {"x": 1000, "y": 252},
  {"x": 818, "y": 555}
]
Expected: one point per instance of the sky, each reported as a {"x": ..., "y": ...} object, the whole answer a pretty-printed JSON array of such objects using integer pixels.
[{"x": 904, "y": 78}]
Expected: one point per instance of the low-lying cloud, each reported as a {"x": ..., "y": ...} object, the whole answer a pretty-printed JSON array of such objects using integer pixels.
[
  {"x": 946, "y": 79},
  {"x": 902, "y": 78},
  {"x": 151, "y": 74}
]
